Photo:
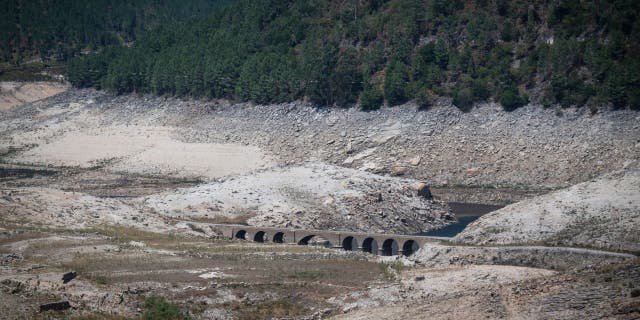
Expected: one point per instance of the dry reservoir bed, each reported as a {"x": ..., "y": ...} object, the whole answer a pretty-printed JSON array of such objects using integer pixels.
[
  {"x": 118, "y": 267},
  {"x": 112, "y": 187}
]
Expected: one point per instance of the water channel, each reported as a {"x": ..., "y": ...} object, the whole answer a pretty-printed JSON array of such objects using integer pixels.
[{"x": 465, "y": 214}]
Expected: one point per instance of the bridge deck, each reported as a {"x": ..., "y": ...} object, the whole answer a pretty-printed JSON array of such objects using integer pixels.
[{"x": 376, "y": 243}]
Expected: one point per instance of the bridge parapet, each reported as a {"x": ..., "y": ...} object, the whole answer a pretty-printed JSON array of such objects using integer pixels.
[{"x": 383, "y": 244}]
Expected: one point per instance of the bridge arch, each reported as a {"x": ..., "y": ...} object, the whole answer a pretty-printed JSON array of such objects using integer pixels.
[
  {"x": 316, "y": 240},
  {"x": 350, "y": 243},
  {"x": 370, "y": 245},
  {"x": 390, "y": 247},
  {"x": 305, "y": 240},
  {"x": 278, "y": 237},
  {"x": 259, "y": 236},
  {"x": 410, "y": 247},
  {"x": 241, "y": 234}
]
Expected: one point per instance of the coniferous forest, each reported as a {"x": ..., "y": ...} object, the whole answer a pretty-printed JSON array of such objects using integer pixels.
[
  {"x": 61, "y": 29},
  {"x": 365, "y": 52}
]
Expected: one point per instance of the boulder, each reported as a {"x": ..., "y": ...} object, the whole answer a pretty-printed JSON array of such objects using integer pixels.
[
  {"x": 62, "y": 305},
  {"x": 67, "y": 277},
  {"x": 398, "y": 170},
  {"x": 423, "y": 190}
]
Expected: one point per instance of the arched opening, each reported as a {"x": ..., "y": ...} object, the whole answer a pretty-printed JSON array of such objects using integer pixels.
[
  {"x": 409, "y": 247},
  {"x": 259, "y": 236},
  {"x": 305, "y": 241},
  {"x": 314, "y": 240},
  {"x": 349, "y": 243},
  {"x": 278, "y": 237},
  {"x": 370, "y": 245},
  {"x": 241, "y": 234},
  {"x": 389, "y": 247}
]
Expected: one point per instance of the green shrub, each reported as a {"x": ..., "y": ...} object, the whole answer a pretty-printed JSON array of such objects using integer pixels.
[
  {"x": 508, "y": 31},
  {"x": 634, "y": 99},
  {"x": 395, "y": 83},
  {"x": 371, "y": 98},
  {"x": 463, "y": 99},
  {"x": 423, "y": 100},
  {"x": 157, "y": 308},
  {"x": 481, "y": 90},
  {"x": 511, "y": 99}
]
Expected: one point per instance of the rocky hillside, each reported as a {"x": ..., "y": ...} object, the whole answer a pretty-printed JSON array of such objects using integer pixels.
[
  {"x": 602, "y": 213},
  {"x": 487, "y": 155},
  {"x": 531, "y": 148},
  {"x": 316, "y": 196}
]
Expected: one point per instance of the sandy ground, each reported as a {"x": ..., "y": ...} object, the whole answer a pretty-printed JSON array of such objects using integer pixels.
[
  {"x": 603, "y": 213},
  {"x": 13, "y": 94},
  {"x": 145, "y": 150}
]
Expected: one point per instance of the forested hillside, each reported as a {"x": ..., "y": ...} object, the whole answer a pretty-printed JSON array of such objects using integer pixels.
[
  {"x": 60, "y": 29},
  {"x": 338, "y": 53}
]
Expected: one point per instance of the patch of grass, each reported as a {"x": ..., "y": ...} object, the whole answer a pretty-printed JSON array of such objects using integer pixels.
[
  {"x": 271, "y": 309},
  {"x": 391, "y": 271},
  {"x": 122, "y": 234},
  {"x": 158, "y": 308},
  {"x": 100, "y": 279},
  {"x": 311, "y": 275},
  {"x": 20, "y": 235},
  {"x": 99, "y": 316},
  {"x": 84, "y": 266}
]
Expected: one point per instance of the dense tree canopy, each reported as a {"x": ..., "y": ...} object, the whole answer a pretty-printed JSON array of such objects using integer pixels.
[
  {"x": 60, "y": 29},
  {"x": 563, "y": 52}
]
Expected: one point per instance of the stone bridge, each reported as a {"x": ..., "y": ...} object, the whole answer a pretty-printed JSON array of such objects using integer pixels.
[{"x": 382, "y": 244}]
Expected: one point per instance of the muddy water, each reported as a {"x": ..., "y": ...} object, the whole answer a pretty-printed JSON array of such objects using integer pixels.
[{"x": 465, "y": 214}]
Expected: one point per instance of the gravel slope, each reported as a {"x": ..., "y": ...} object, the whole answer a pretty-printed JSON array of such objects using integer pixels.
[
  {"x": 531, "y": 148},
  {"x": 602, "y": 213},
  {"x": 313, "y": 195}
]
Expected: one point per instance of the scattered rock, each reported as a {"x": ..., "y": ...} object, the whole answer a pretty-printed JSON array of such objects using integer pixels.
[
  {"x": 67, "y": 277},
  {"x": 398, "y": 170},
  {"x": 56, "y": 306},
  {"x": 423, "y": 190},
  {"x": 415, "y": 160}
]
